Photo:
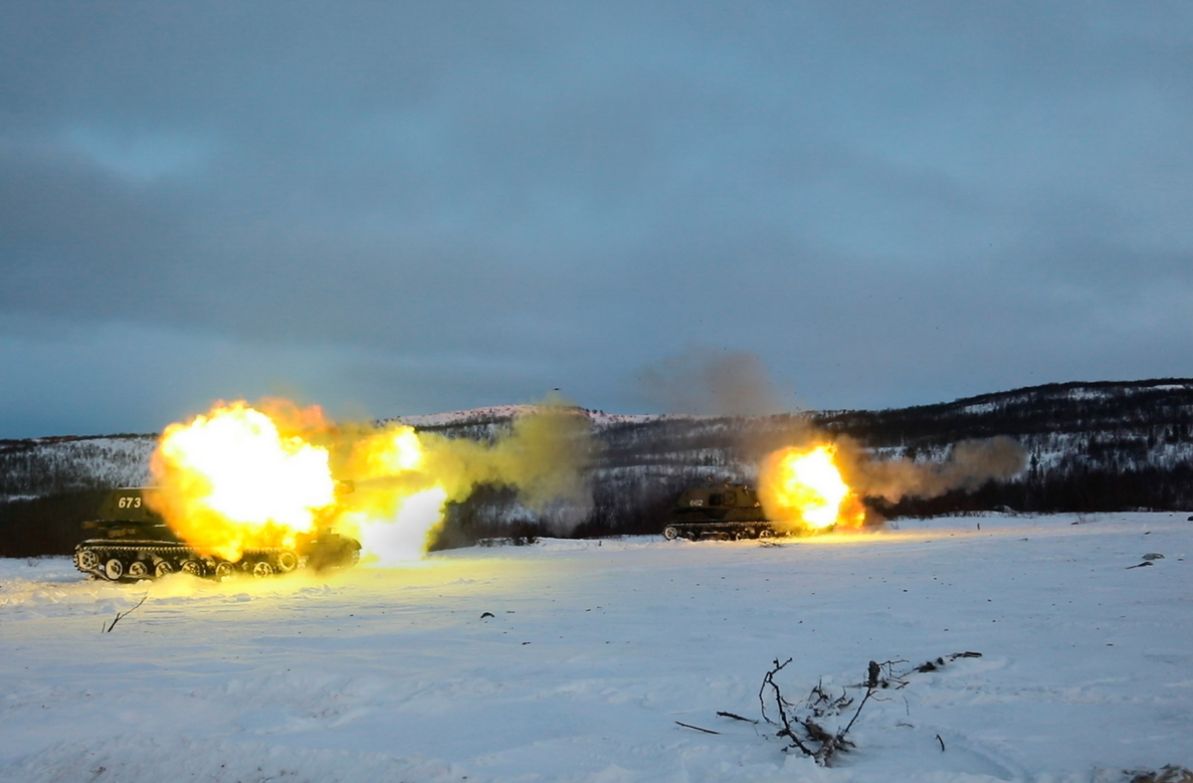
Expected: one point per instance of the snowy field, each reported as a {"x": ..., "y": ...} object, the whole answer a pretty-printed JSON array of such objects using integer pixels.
[{"x": 594, "y": 651}]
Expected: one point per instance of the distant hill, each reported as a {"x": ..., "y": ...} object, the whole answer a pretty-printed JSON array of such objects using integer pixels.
[
  {"x": 45, "y": 466},
  {"x": 1105, "y": 445}
]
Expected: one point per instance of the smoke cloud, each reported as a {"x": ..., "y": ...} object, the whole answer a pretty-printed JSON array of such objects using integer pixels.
[
  {"x": 737, "y": 383},
  {"x": 714, "y": 383},
  {"x": 544, "y": 457},
  {"x": 970, "y": 464}
]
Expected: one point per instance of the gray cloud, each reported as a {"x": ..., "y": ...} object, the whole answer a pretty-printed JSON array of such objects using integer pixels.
[{"x": 407, "y": 208}]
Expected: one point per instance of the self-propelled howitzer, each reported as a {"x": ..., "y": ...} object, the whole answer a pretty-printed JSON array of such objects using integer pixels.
[
  {"x": 723, "y": 510},
  {"x": 129, "y": 541}
]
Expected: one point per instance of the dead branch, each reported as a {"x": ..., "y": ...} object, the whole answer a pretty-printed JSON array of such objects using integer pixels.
[
  {"x": 801, "y": 724},
  {"x": 782, "y": 704},
  {"x": 735, "y": 716},
  {"x": 121, "y": 615},
  {"x": 816, "y": 732},
  {"x": 930, "y": 666},
  {"x": 933, "y": 665},
  {"x": 891, "y": 677},
  {"x": 824, "y": 755},
  {"x": 696, "y": 728},
  {"x": 858, "y": 711},
  {"x": 1169, "y": 773},
  {"x": 769, "y": 680}
]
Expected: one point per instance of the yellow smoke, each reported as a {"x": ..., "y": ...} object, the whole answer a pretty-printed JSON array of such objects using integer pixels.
[{"x": 404, "y": 479}]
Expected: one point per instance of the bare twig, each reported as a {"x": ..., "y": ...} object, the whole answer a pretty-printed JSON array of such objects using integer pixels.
[
  {"x": 891, "y": 678},
  {"x": 933, "y": 665},
  {"x": 769, "y": 680},
  {"x": 781, "y": 703},
  {"x": 735, "y": 716},
  {"x": 697, "y": 728},
  {"x": 121, "y": 615},
  {"x": 799, "y": 723},
  {"x": 816, "y": 732},
  {"x": 848, "y": 726}
]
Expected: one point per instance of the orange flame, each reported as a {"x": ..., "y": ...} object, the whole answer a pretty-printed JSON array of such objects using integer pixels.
[
  {"x": 240, "y": 477},
  {"x": 232, "y": 480},
  {"x": 803, "y": 490}
]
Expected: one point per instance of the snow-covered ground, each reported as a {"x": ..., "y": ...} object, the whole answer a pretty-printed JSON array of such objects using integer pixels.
[{"x": 595, "y": 650}]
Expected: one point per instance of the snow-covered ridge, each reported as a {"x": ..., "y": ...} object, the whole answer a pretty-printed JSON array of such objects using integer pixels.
[
  {"x": 1065, "y": 428},
  {"x": 1074, "y": 391},
  {"x": 502, "y": 413},
  {"x": 481, "y": 415}
]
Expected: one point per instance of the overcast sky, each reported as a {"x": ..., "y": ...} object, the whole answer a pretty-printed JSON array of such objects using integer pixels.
[{"x": 394, "y": 208}]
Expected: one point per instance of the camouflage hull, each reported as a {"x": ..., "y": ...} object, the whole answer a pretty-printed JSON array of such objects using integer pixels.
[
  {"x": 132, "y": 542},
  {"x": 134, "y": 560},
  {"x": 725, "y": 511}
]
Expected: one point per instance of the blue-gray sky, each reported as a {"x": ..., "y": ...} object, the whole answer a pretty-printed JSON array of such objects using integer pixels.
[{"x": 394, "y": 208}]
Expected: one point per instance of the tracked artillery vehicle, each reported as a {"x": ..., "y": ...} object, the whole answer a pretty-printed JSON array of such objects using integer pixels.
[
  {"x": 725, "y": 510},
  {"x": 129, "y": 541}
]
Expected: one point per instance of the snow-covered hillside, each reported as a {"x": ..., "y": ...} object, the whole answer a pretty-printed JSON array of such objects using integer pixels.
[
  {"x": 501, "y": 414},
  {"x": 43, "y": 466},
  {"x": 573, "y": 660}
]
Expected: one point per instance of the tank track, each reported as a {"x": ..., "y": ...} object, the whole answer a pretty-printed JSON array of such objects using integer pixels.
[
  {"x": 131, "y": 560},
  {"x": 719, "y": 530}
]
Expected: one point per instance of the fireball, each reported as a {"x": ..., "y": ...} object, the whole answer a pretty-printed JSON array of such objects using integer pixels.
[
  {"x": 240, "y": 478},
  {"x": 390, "y": 453},
  {"x": 803, "y": 489},
  {"x": 231, "y": 480}
]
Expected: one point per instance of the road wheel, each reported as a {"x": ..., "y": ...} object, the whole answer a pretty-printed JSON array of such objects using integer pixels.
[
  {"x": 161, "y": 568},
  {"x": 262, "y": 568},
  {"x": 138, "y": 569},
  {"x": 224, "y": 569},
  {"x": 670, "y": 533},
  {"x": 192, "y": 567},
  {"x": 87, "y": 559},
  {"x": 287, "y": 562},
  {"x": 114, "y": 569}
]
